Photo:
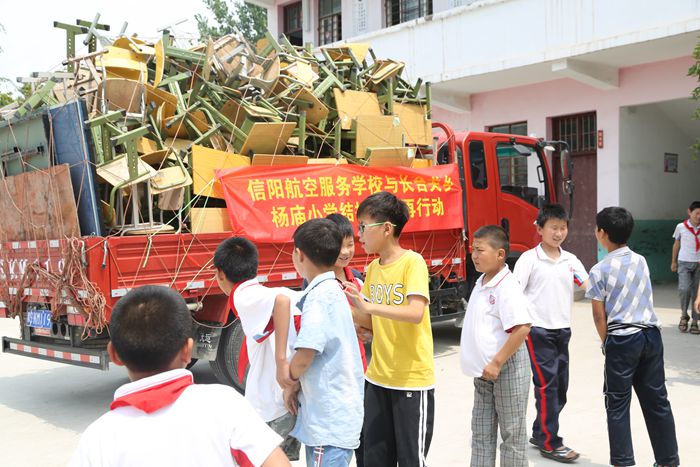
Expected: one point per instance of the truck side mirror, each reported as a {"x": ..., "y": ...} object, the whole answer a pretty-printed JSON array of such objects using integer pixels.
[{"x": 565, "y": 164}]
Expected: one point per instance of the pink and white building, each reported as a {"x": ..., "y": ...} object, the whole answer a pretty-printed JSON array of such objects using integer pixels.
[{"x": 608, "y": 76}]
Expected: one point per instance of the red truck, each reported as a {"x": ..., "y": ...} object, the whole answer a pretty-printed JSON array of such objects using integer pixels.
[{"x": 56, "y": 287}]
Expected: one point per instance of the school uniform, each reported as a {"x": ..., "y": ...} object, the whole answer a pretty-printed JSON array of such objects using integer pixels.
[
  {"x": 165, "y": 419},
  {"x": 493, "y": 310},
  {"x": 549, "y": 286},
  {"x": 252, "y": 303},
  {"x": 331, "y": 396},
  {"x": 688, "y": 265},
  {"x": 633, "y": 356}
]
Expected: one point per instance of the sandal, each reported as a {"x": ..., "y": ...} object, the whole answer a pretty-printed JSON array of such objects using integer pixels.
[
  {"x": 562, "y": 454},
  {"x": 694, "y": 328},
  {"x": 683, "y": 325}
]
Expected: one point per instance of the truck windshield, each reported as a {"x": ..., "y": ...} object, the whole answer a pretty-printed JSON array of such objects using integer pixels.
[{"x": 522, "y": 175}]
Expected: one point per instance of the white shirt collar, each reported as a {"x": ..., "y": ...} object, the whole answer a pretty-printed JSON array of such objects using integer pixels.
[
  {"x": 543, "y": 256},
  {"x": 625, "y": 250},
  {"x": 495, "y": 280}
]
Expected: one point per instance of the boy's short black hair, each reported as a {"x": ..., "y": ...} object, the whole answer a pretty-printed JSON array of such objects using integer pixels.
[
  {"x": 320, "y": 240},
  {"x": 148, "y": 327},
  {"x": 237, "y": 257},
  {"x": 552, "y": 211},
  {"x": 384, "y": 206},
  {"x": 343, "y": 223},
  {"x": 495, "y": 235},
  {"x": 693, "y": 206},
  {"x": 617, "y": 222}
]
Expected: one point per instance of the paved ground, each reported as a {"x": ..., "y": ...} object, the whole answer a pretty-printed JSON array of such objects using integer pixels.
[{"x": 44, "y": 406}]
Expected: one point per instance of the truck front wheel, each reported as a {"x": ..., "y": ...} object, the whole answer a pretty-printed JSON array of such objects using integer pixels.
[{"x": 225, "y": 367}]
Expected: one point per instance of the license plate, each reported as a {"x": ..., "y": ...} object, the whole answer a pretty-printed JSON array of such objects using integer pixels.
[{"x": 39, "y": 319}]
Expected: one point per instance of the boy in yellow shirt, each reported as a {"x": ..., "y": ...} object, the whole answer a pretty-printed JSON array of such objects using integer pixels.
[{"x": 399, "y": 394}]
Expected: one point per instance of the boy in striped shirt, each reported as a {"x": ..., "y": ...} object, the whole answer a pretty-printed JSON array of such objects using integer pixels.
[{"x": 624, "y": 316}]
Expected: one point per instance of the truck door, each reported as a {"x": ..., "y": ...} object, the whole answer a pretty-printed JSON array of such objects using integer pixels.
[
  {"x": 481, "y": 182},
  {"x": 523, "y": 186}
]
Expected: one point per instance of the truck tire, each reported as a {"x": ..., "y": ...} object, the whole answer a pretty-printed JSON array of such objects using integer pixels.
[{"x": 225, "y": 367}]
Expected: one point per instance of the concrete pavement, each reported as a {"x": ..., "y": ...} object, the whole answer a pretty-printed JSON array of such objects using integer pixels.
[{"x": 45, "y": 406}]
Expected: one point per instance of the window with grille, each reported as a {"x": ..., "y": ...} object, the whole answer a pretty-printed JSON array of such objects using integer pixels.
[
  {"x": 399, "y": 11},
  {"x": 579, "y": 131},
  {"x": 292, "y": 24},
  {"x": 329, "y": 21}
]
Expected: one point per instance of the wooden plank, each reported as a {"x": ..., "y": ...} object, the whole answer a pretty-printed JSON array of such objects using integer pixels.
[
  {"x": 116, "y": 172},
  {"x": 315, "y": 109},
  {"x": 421, "y": 163},
  {"x": 267, "y": 138},
  {"x": 390, "y": 157},
  {"x": 170, "y": 178},
  {"x": 145, "y": 145},
  {"x": 205, "y": 161},
  {"x": 326, "y": 160},
  {"x": 377, "y": 131},
  {"x": 10, "y": 205},
  {"x": 414, "y": 124},
  {"x": 209, "y": 220},
  {"x": 272, "y": 159},
  {"x": 122, "y": 94},
  {"x": 351, "y": 104}
]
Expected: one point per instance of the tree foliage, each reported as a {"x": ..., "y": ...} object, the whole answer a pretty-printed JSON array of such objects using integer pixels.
[
  {"x": 229, "y": 16},
  {"x": 694, "y": 70}
]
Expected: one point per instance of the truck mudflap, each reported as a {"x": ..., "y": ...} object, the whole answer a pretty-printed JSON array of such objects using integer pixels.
[{"x": 97, "y": 359}]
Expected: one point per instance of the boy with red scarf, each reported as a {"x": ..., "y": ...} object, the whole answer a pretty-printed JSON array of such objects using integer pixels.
[
  {"x": 148, "y": 421},
  {"x": 686, "y": 261},
  {"x": 261, "y": 310}
]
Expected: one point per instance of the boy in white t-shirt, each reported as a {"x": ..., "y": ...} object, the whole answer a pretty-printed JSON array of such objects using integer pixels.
[
  {"x": 261, "y": 310},
  {"x": 491, "y": 349},
  {"x": 685, "y": 260},
  {"x": 149, "y": 419},
  {"x": 548, "y": 275}
]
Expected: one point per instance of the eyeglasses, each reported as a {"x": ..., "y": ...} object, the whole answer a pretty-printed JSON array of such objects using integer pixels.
[{"x": 361, "y": 227}]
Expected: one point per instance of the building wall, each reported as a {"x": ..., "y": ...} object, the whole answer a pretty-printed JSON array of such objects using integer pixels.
[
  {"x": 625, "y": 173},
  {"x": 657, "y": 200}
]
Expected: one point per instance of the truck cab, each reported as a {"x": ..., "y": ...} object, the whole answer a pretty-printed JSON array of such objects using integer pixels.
[{"x": 506, "y": 179}]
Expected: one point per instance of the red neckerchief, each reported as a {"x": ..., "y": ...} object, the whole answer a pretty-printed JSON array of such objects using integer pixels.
[
  {"x": 243, "y": 359},
  {"x": 696, "y": 233},
  {"x": 155, "y": 397},
  {"x": 350, "y": 277}
]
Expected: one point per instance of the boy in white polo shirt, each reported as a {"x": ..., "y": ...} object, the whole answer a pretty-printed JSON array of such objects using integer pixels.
[
  {"x": 685, "y": 260},
  {"x": 261, "y": 310},
  {"x": 495, "y": 327},
  {"x": 548, "y": 275},
  {"x": 151, "y": 419}
]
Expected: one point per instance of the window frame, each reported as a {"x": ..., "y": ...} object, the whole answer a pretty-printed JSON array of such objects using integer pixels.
[
  {"x": 332, "y": 15},
  {"x": 425, "y": 8},
  {"x": 287, "y": 32}
]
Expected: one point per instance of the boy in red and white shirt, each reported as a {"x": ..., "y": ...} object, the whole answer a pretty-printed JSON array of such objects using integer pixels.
[
  {"x": 685, "y": 260},
  {"x": 161, "y": 417},
  {"x": 261, "y": 310}
]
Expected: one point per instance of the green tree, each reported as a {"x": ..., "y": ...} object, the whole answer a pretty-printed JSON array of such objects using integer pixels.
[
  {"x": 230, "y": 16},
  {"x": 694, "y": 70}
]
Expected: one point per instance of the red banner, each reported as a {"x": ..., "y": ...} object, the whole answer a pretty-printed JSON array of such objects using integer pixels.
[{"x": 267, "y": 204}]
